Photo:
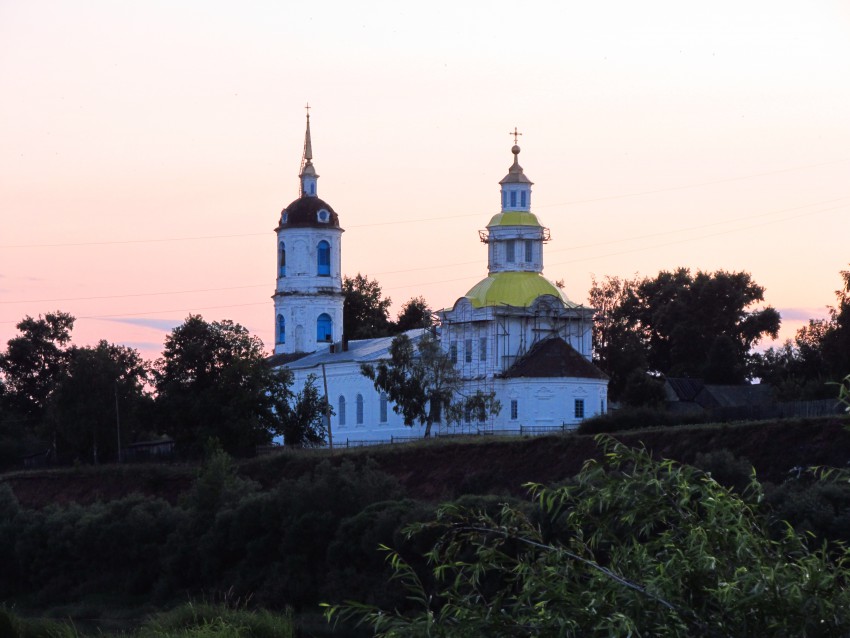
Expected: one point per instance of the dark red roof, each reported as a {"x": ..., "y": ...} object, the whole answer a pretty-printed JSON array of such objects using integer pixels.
[
  {"x": 554, "y": 358},
  {"x": 304, "y": 212}
]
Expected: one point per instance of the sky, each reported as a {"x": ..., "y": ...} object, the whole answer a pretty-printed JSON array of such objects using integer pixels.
[{"x": 147, "y": 148}]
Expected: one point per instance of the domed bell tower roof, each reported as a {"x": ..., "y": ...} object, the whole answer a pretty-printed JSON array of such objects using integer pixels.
[{"x": 308, "y": 211}]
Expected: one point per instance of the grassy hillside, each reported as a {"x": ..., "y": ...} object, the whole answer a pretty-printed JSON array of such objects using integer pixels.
[{"x": 446, "y": 468}]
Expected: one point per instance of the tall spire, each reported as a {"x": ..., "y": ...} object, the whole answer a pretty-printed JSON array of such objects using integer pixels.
[{"x": 308, "y": 172}]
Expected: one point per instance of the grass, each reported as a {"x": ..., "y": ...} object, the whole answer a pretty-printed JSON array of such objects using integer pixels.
[{"x": 191, "y": 620}]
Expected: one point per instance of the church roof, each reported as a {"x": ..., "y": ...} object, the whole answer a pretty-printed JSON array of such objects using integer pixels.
[
  {"x": 515, "y": 174},
  {"x": 514, "y": 218},
  {"x": 518, "y": 289},
  {"x": 554, "y": 358},
  {"x": 304, "y": 213},
  {"x": 359, "y": 351}
]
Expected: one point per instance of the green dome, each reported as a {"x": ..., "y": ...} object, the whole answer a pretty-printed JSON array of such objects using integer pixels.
[
  {"x": 518, "y": 289},
  {"x": 514, "y": 218}
]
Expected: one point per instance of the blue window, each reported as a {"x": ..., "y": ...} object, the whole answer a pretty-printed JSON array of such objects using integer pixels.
[
  {"x": 324, "y": 259},
  {"x": 522, "y": 199},
  {"x": 383, "y": 407},
  {"x": 514, "y": 409},
  {"x": 341, "y": 410},
  {"x": 359, "y": 409},
  {"x": 282, "y": 261},
  {"x": 529, "y": 247},
  {"x": 482, "y": 348},
  {"x": 504, "y": 199},
  {"x": 453, "y": 352},
  {"x": 579, "y": 408},
  {"x": 511, "y": 251},
  {"x": 513, "y": 199},
  {"x": 324, "y": 328},
  {"x": 281, "y": 329}
]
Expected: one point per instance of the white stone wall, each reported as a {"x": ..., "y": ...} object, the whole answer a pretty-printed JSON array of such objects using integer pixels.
[{"x": 302, "y": 295}]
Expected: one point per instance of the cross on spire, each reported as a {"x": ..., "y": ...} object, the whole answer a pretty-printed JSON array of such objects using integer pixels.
[
  {"x": 516, "y": 135},
  {"x": 308, "y": 110}
]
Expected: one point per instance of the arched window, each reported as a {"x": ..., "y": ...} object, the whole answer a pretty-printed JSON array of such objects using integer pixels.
[
  {"x": 324, "y": 259},
  {"x": 281, "y": 329},
  {"x": 324, "y": 328},
  {"x": 281, "y": 260},
  {"x": 359, "y": 409},
  {"x": 383, "y": 407},
  {"x": 341, "y": 410}
]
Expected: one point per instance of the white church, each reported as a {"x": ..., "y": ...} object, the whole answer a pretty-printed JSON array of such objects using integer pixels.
[{"x": 514, "y": 333}]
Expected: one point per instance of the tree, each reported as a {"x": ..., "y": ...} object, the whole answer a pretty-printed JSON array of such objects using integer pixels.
[
  {"x": 818, "y": 355},
  {"x": 306, "y": 422},
  {"x": 682, "y": 325},
  {"x": 617, "y": 347},
  {"x": 424, "y": 385},
  {"x": 82, "y": 410},
  {"x": 631, "y": 547},
  {"x": 34, "y": 362},
  {"x": 414, "y": 314},
  {"x": 365, "y": 313},
  {"x": 213, "y": 381}
]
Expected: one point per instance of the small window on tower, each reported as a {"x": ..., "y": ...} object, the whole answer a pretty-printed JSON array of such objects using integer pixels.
[
  {"x": 281, "y": 329},
  {"x": 324, "y": 328},
  {"x": 282, "y": 260},
  {"x": 467, "y": 354},
  {"x": 529, "y": 248},
  {"x": 522, "y": 199},
  {"x": 504, "y": 199},
  {"x": 323, "y": 259},
  {"x": 513, "y": 199},
  {"x": 324, "y": 216},
  {"x": 511, "y": 251}
]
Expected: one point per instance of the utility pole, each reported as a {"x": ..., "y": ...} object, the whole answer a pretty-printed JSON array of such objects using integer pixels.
[
  {"x": 117, "y": 421},
  {"x": 327, "y": 410}
]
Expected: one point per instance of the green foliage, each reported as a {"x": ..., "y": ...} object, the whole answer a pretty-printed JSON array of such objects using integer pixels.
[
  {"x": 424, "y": 385},
  {"x": 82, "y": 409},
  {"x": 819, "y": 354},
  {"x": 643, "y": 390},
  {"x": 415, "y": 313},
  {"x": 305, "y": 423},
  {"x": 636, "y": 418},
  {"x": 365, "y": 313},
  {"x": 844, "y": 392},
  {"x": 213, "y": 382},
  {"x": 679, "y": 324},
  {"x": 200, "y": 620},
  {"x": 631, "y": 547},
  {"x": 13, "y": 626},
  {"x": 34, "y": 361}
]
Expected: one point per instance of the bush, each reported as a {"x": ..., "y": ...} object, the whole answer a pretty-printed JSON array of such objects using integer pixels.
[{"x": 635, "y": 418}]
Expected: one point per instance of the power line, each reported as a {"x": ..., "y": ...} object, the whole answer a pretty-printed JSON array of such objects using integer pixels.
[
  {"x": 429, "y": 219},
  {"x": 139, "y": 294}
]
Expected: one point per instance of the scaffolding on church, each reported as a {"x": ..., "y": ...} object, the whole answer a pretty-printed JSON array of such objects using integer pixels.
[{"x": 510, "y": 332}]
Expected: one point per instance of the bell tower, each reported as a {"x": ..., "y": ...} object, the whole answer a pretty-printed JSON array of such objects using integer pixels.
[{"x": 308, "y": 296}]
